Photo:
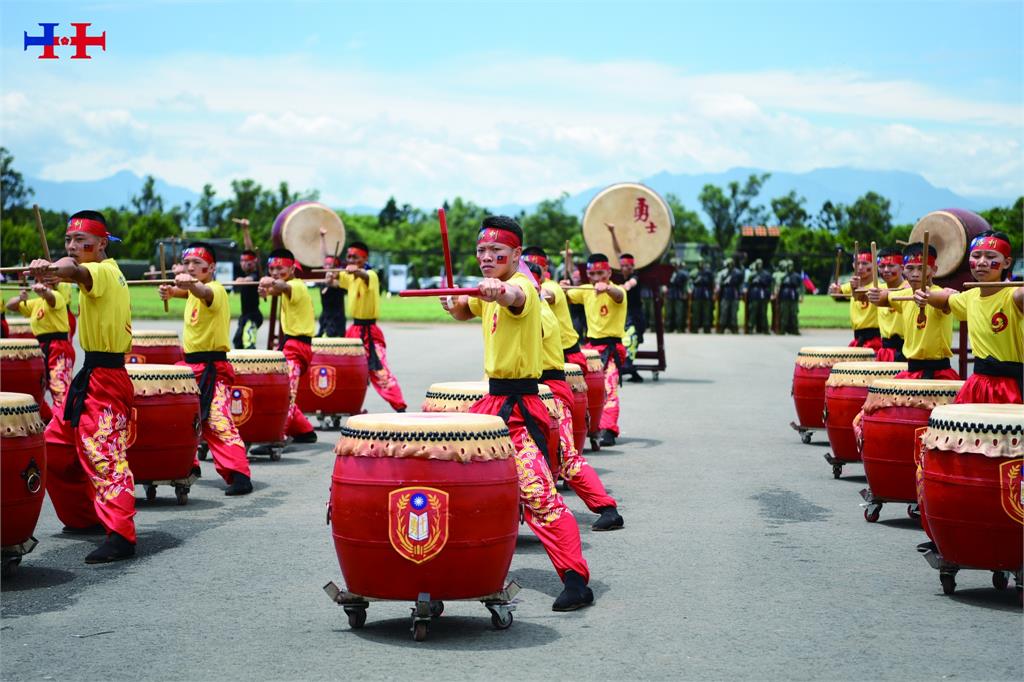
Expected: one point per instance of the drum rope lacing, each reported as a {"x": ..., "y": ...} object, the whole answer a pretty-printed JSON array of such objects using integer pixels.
[
  {"x": 940, "y": 393},
  {"x": 432, "y": 436},
  {"x": 865, "y": 372},
  {"x": 971, "y": 427},
  {"x": 8, "y": 410}
]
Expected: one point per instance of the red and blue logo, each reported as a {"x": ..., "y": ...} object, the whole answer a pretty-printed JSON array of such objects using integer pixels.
[{"x": 81, "y": 41}]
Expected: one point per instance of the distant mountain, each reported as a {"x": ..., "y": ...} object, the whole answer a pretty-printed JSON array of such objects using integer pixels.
[{"x": 115, "y": 191}]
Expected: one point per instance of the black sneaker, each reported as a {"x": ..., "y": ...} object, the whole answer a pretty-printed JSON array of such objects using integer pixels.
[
  {"x": 575, "y": 595},
  {"x": 240, "y": 485},
  {"x": 635, "y": 378},
  {"x": 114, "y": 548},
  {"x": 308, "y": 437},
  {"x": 607, "y": 438},
  {"x": 610, "y": 519},
  {"x": 95, "y": 529}
]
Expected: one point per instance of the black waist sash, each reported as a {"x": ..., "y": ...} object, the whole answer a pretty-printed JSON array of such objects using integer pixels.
[
  {"x": 366, "y": 334},
  {"x": 863, "y": 335},
  {"x": 1001, "y": 368},
  {"x": 308, "y": 340},
  {"x": 928, "y": 367},
  {"x": 208, "y": 379},
  {"x": 514, "y": 390},
  {"x": 608, "y": 344},
  {"x": 74, "y": 406},
  {"x": 553, "y": 375},
  {"x": 44, "y": 345},
  {"x": 574, "y": 348}
]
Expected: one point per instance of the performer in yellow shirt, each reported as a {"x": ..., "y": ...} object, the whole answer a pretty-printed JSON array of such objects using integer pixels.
[
  {"x": 605, "y": 304},
  {"x": 49, "y": 318},
  {"x": 99, "y": 487},
  {"x": 363, "y": 288},
  {"x": 863, "y": 315},
  {"x": 509, "y": 309},
  {"x": 207, "y": 323},
  {"x": 298, "y": 324},
  {"x": 571, "y": 351},
  {"x": 995, "y": 323},
  {"x": 890, "y": 323}
]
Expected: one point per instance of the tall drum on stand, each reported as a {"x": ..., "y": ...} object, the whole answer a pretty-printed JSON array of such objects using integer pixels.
[
  {"x": 336, "y": 382},
  {"x": 297, "y": 228},
  {"x": 813, "y": 364},
  {"x": 259, "y": 398},
  {"x": 22, "y": 476},
  {"x": 155, "y": 347}
]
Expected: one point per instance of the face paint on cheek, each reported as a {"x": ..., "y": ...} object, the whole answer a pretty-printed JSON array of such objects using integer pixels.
[
  {"x": 501, "y": 259},
  {"x": 87, "y": 247}
]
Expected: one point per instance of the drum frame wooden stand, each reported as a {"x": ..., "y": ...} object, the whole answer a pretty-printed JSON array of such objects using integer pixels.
[
  {"x": 655, "y": 277},
  {"x": 500, "y": 604}
]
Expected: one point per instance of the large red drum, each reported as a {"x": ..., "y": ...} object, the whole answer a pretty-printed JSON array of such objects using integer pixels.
[
  {"x": 155, "y": 347},
  {"x": 424, "y": 503},
  {"x": 164, "y": 430},
  {"x": 22, "y": 368},
  {"x": 20, "y": 329},
  {"x": 593, "y": 374},
  {"x": 846, "y": 389},
  {"x": 22, "y": 474},
  {"x": 813, "y": 364},
  {"x": 577, "y": 381},
  {"x": 894, "y": 411},
  {"x": 337, "y": 378},
  {"x": 459, "y": 396},
  {"x": 972, "y": 485},
  {"x": 259, "y": 396}
]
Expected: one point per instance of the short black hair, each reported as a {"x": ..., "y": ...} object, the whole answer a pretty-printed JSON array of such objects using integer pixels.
[
  {"x": 597, "y": 258},
  {"x": 360, "y": 245},
  {"x": 503, "y": 222},
  {"x": 889, "y": 251},
  {"x": 864, "y": 249},
  {"x": 534, "y": 251},
  {"x": 90, "y": 215},
  {"x": 535, "y": 269},
  {"x": 625, "y": 255},
  {"x": 248, "y": 252},
  {"x": 915, "y": 249},
  {"x": 281, "y": 253},
  {"x": 203, "y": 245},
  {"x": 994, "y": 233}
]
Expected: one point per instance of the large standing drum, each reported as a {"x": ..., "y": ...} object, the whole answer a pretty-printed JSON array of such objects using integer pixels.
[
  {"x": 164, "y": 430},
  {"x": 259, "y": 397},
  {"x": 813, "y": 364},
  {"x": 155, "y": 347},
  {"x": 337, "y": 378},
  {"x": 22, "y": 368},
  {"x": 894, "y": 411},
  {"x": 950, "y": 231},
  {"x": 972, "y": 489},
  {"x": 22, "y": 475},
  {"x": 423, "y": 504},
  {"x": 297, "y": 228},
  {"x": 577, "y": 381},
  {"x": 20, "y": 329},
  {"x": 459, "y": 396},
  {"x": 846, "y": 389},
  {"x": 593, "y": 374},
  {"x": 642, "y": 220}
]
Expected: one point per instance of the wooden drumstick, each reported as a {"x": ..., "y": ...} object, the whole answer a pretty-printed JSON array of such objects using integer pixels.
[
  {"x": 246, "y": 236},
  {"x": 922, "y": 316},
  {"x": 835, "y": 277},
  {"x": 42, "y": 232},
  {"x": 163, "y": 272},
  {"x": 992, "y": 285},
  {"x": 874, "y": 265}
]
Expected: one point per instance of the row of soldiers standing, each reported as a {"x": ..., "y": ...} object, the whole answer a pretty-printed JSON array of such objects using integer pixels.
[{"x": 699, "y": 299}]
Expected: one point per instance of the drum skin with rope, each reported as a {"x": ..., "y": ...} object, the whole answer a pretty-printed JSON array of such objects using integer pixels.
[
  {"x": 846, "y": 389},
  {"x": 22, "y": 469},
  {"x": 577, "y": 381},
  {"x": 593, "y": 374},
  {"x": 259, "y": 396},
  {"x": 155, "y": 347},
  {"x": 337, "y": 377},
  {"x": 424, "y": 503},
  {"x": 642, "y": 220},
  {"x": 813, "y": 364},
  {"x": 950, "y": 231},
  {"x": 164, "y": 430},
  {"x": 20, "y": 330},
  {"x": 297, "y": 228}
]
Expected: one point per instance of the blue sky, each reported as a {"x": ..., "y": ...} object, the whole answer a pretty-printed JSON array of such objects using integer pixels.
[{"x": 516, "y": 101}]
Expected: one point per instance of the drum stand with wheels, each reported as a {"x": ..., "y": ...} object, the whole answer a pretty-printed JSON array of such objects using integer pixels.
[
  {"x": 500, "y": 604},
  {"x": 873, "y": 506},
  {"x": 331, "y": 421},
  {"x": 275, "y": 448},
  {"x": 838, "y": 464},
  {"x": 10, "y": 556},
  {"x": 805, "y": 431},
  {"x": 182, "y": 487},
  {"x": 948, "y": 570}
]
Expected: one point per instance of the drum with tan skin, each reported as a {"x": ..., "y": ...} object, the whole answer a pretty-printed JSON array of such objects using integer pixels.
[
  {"x": 22, "y": 476},
  {"x": 593, "y": 374},
  {"x": 577, "y": 381},
  {"x": 813, "y": 364},
  {"x": 155, "y": 347},
  {"x": 22, "y": 367},
  {"x": 20, "y": 329},
  {"x": 259, "y": 397},
  {"x": 950, "y": 231},
  {"x": 642, "y": 220},
  {"x": 336, "y": 381},
  {"x": 297, "y": 228}
]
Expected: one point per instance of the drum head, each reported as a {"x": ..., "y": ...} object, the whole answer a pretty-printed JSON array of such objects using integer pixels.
[
  {"x": 642, "y": 220},
  {"x": 863, "y": 373},
  {"x": 19, "y": 415},
  {"x": 949, "y": 231},
  {"x": 297, "y": 228},
  {"x": 993, "y": 430}
]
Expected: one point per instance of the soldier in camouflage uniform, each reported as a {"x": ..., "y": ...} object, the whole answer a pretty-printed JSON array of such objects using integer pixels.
[
  {"x": 759, "y": 291},
  {"x": 678, "y": 299},
  {"x": 701, "y": 298},
  {"x": 730, "y": 281},
  {"x": 789, "y": 291}
]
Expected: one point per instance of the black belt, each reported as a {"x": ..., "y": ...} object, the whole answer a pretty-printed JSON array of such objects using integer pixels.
[
  {"x": 373, "y": 362},
  {"x": 895, "y": 343},
  {"x": 1001, "y": 368},
  {"x": 574, "y": 348},
  {"x": 928, "y": 367},
  {"x": 52, "y": 336},
  {"x": 514, "y": 390},
  {"x": 866, "y": 334},
  {"x": 208, "y": 379},
  {"x": 308, "y": 340},
  {"x": 608, "y": 344},
  {"x": 74, "y": 406},
  {"x": 363, "y": 322},
  {"x": 553, "y": 375}
]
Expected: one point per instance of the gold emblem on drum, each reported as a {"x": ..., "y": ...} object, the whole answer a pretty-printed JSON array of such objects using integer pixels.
[
  {"x": 322, "y": 379},
  {"x": 241, "y": 404},
  {"x": 418, "y": 522},
  {"x": 136, "y": 358},
  {"x": 1011, "y": 494},
  {"x": 131, "y": 433}
]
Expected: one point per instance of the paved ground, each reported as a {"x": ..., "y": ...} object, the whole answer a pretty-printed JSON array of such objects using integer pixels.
[{"x": 741, "y": 558}]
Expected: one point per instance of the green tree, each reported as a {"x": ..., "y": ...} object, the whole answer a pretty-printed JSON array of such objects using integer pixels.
[
  {"x": 208, "y": 211},
  {"x": 147, "y": 201},
  {"x": 730, "y": 209},
  {"x": 549, "y": 226},
  {"x": 687, "y": 225},
  {"x": 1009, "y": 219},
  {"x": 789, "y": 210},
  {"x": 12, "y": 184}
]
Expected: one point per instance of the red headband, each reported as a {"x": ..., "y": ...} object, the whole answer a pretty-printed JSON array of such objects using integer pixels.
[
  {"x": 992, "y": 243},
  {"x": 536, "y": 259},
  {"x": 864, "y": 257},
  {"x": 916, "y": 259},
  {"x": 93, "y": 227},
  {"x": 626, "y": 261},
  {"x": 280, "y": 261},
  {"x": 198, "y": 252},
  {"x": 248, "y": 257},
  {"x": 356, "y": 251},
  {"x": 496, "y": 234},
  {"x": 598, "y": 265},
  {"x": 890, "y": 260}
]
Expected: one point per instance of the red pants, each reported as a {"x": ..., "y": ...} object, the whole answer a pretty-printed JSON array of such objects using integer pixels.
[
  {"x": 298, "y": 356},
  {"x": 984, "y": 388},
  {"x": 577, "y": 358},
  {"x": 87, "y": 474},
  {"x": 873, "y": 343},
  {"x": 219, "y": 431},
  {"x": 947, "y": 374},
  {"x": 548, "y": 517},
  {"x": 382, "y": 379},
  {"x": 885, "y": 355},
  {"x": 576, "y": 471},
  {"x": 60, "y": 358},
  {"x": 610, "y": 414}
]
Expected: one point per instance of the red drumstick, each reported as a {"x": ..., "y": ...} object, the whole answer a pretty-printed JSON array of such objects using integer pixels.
[
  {"x": 444, "y": 245},
  {"x": 451, "y": 291}
]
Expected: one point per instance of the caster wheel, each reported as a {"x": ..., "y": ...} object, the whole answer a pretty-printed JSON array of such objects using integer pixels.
[
  {"x": 181, "y": 495},
  {"x": 150, "y": 493},
  {"x": 500, "y": 623},
  {"x": 356, "y": 617},
  {"x": 419, "y": 630},
  {"x": 1000, "y": 580},
  {"x": 275, "y": 455},
  {"x": 914, "y": 512},
  {"x": 436, "y": 609},
  {"x": 948, "y": 581},
  {"x": 837, "y": 470},
  {"x": 805, "y": 437},
  {"x": 871, "y": 513},
  {"x": 203, "y": 451},
  {"x": 10, "y": 565}
]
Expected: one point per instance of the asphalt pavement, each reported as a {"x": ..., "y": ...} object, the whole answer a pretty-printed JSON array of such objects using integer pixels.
[{"x": 741, "y": 558}]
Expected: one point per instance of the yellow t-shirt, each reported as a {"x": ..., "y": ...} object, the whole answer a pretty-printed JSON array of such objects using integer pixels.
[
  {"x": 512, "y": 343},
  {"x": 363, "y": 297},
  {"x": 65, "y": 290},
  {"x": 206, "y": 326},
  {"x": 605, "y": 317},
  {"x": 863, "y": 315},
  {"x": 994, "y": 324},
  {"x": 561, "y": 309},
  {"x": 105, "y": 311},
  {"x": 297, "y": 310},
  {"x": 42, "y": 318},
  {"x": 551, "y": 339},
  {"x": 890, "y": 322},
  {"x": 932, "y": 340}
]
